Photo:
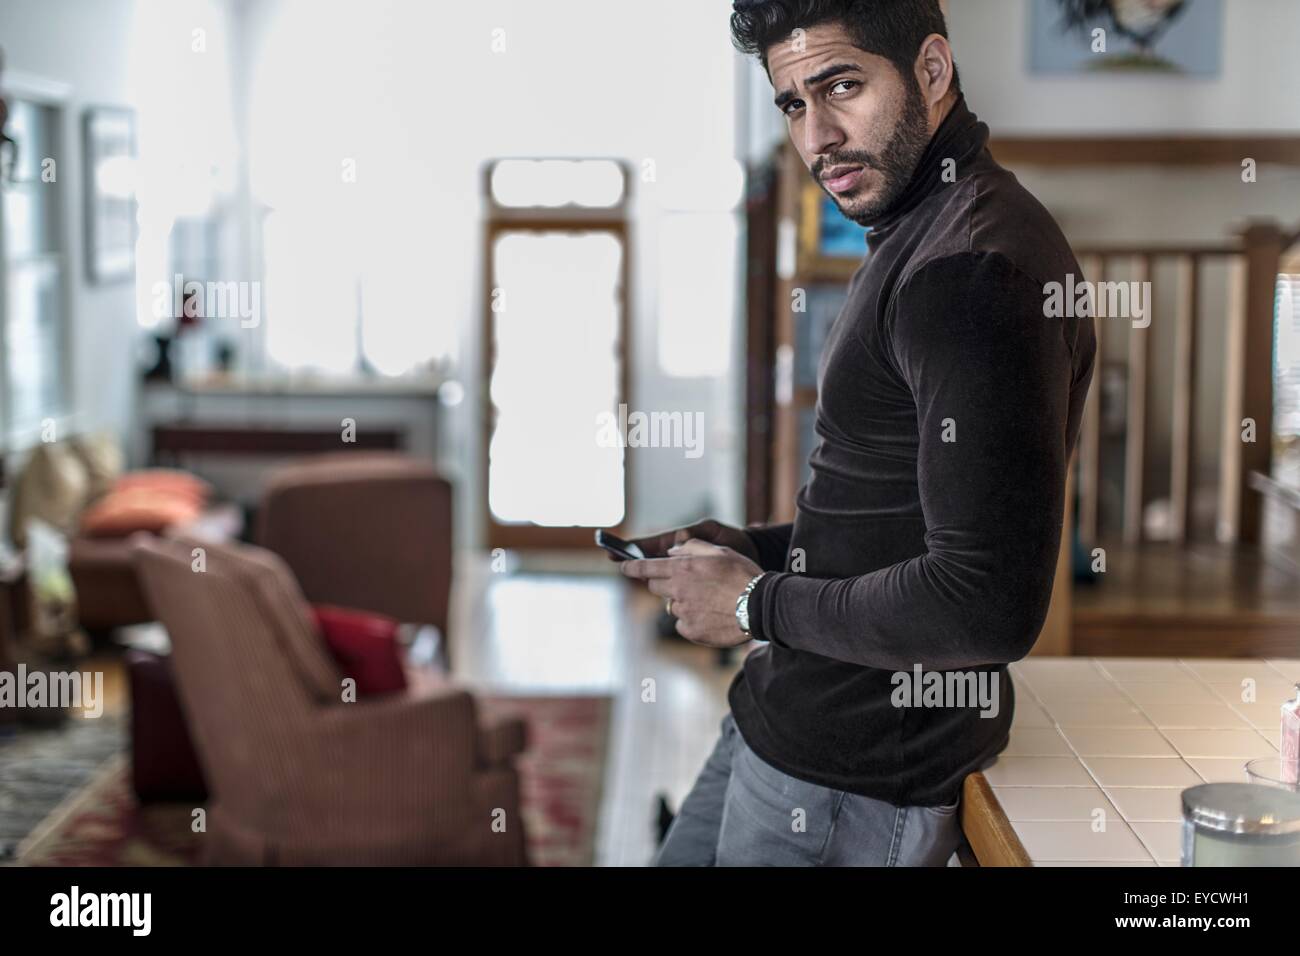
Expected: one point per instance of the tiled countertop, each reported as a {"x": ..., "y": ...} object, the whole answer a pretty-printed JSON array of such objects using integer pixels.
[{"x": 1119, "y": 739}]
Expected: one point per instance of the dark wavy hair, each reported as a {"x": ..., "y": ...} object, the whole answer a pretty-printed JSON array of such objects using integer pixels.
[{"x": 893, "y": 29}]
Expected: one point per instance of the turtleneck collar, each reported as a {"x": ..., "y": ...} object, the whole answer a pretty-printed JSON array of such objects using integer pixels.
[{"x": 961, "y": 137}]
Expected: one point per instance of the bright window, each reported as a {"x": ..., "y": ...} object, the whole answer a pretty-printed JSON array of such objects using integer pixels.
[{"x": 33, "y": 383}]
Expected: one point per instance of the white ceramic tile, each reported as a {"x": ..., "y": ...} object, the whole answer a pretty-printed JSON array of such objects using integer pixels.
[
  {"x": 1082, "y": 690},
  {"x": 1162, "y": 669},
  {"x": 1118, "y": 742},
  {"x": 1240, "y": 744},
  {"x": 1136, "y": 804},
  {"x": 1037, "y": 742},
  {"x": 1276, "y": 692},
  {"x": 1055, "y": 803},
  {"x": 1163, "y": 840},
  {"x": 1095, "y": 713},
  {"x": 1042, "y": 683},
  {"x": 1177, "y": 692},
  {"x": 1141, "y": 772},
  {"x": 1230, "y": 671},
  {"x": 1078, "y": 840},
  {"x": 1261, "y": 714},
  {"x": 1057, "y": 669},
  {"x": 1029, "y": 714},
  {"x": 1220, "y": 769},
  {"x": 1094, "y": 863},
  {"x": 1290, "y": 669},
  {"x": 1203, "y": 715},
  {"x": 1038, "y": 772}
]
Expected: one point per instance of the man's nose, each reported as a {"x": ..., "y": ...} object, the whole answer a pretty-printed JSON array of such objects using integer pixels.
[{"x": 822, "y": 134}]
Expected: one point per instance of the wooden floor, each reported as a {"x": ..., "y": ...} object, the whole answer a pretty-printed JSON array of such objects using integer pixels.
[
  {"x": 540, "y": 630},
  {"x": 1195, "y": 600}
]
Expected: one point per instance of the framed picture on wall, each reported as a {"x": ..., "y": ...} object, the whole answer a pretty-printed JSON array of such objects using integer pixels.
[
  {"x": 110, "y": 154},
  {"x": 1109, "y": 36}
]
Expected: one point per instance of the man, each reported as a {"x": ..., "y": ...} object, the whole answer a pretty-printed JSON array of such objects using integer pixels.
[{"x": 926, "y": 538}]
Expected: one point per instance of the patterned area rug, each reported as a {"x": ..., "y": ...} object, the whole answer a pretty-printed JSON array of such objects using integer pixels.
[
  {"x": 41, "y": 768},
  {"x": 562, "y": 778}
]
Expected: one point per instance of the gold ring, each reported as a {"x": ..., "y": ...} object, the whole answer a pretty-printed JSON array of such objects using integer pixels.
[{"x": 668, "y": 607}]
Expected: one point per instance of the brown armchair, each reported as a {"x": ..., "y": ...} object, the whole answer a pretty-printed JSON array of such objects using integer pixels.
[
  {"x": 365, "y": 530},
  {"x": 296, "y": 775}
]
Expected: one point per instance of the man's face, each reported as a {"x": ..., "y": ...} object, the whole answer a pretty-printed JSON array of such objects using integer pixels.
[{"x": 859, "y": 126}]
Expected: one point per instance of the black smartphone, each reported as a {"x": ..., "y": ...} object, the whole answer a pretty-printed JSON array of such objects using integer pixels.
[{"x": 623, "y": 550}]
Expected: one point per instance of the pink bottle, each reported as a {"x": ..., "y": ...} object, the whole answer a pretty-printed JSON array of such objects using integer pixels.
[{"x": 1290, "y": 741}]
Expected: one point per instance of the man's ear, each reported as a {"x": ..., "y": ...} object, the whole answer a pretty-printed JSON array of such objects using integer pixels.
[{"x": 934, "y": 69}]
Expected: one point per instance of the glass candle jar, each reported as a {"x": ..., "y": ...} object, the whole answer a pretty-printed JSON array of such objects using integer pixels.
[{"x": 1240, "y": 824}]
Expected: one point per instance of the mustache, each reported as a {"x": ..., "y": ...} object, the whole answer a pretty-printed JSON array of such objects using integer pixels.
[{"x": 866, "y": 160}]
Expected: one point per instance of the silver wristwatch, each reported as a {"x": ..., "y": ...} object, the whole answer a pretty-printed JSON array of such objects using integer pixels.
[{"x": 742, "y": 603}]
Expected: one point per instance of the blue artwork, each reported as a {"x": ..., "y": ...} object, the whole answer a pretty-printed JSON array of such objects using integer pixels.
[
  {"x": 837, "y": 236},
  {"x": 1180, "y": 37}
]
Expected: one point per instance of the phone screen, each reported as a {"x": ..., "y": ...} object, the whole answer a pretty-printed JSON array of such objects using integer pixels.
[{"x": 624, "y": 550}]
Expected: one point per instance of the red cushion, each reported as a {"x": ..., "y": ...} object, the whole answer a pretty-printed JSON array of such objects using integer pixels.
[{"x": 365, "y": 647}]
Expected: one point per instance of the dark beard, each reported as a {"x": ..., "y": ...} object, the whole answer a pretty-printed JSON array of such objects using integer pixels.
[{"x": 896, "y": 162}]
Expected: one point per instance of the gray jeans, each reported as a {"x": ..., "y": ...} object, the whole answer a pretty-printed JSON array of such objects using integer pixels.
[{"x": 744, "y": 812}]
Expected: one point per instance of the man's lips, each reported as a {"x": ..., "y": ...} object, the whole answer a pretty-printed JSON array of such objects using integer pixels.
[{"x": 841, "y": 178}]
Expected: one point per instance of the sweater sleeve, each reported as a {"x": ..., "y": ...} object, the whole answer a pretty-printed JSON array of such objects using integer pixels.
[
  {"x": 990, "y": 376},
  {"x": 773, "y": 545}
]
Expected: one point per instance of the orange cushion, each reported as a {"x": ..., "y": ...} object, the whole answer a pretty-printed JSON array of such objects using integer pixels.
[
  {"x": 125, "y": 511},
  {"x": 166, "y": 481}
]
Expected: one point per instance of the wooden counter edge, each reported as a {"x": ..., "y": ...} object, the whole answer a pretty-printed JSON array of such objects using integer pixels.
[{"x": 988, "y": 831}]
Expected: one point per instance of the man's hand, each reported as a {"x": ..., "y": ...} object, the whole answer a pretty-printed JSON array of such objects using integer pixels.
[
  {"x": 703, "y": 581},
  {"x": 657, "y": 545}
]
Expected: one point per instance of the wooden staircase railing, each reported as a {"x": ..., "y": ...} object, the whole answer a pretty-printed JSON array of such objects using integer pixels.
[
  {"x": 1253, "y": 264},
  {"x": 1253, "y": 259}
]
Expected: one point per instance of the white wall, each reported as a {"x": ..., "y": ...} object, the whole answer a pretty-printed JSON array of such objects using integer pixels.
[
  {"x": 135, "y": 54},
  {"x": 85, "y": 45},
  {"x": 415, "y": 94},
  {"x": 1255, "y": 90}
]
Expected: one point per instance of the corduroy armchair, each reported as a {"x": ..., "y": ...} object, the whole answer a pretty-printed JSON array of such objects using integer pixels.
[
  {"x": 297, "y": 776},
  {"x": 366, "y": 530}
]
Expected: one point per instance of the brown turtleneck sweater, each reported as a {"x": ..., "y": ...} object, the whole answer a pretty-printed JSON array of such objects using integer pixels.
[{"x": 947, "y": 408}]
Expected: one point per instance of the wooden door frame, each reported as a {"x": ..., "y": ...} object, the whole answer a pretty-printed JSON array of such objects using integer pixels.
[
  {"x": 500, "y": 222},
  {"x": 760, "y": 335}
]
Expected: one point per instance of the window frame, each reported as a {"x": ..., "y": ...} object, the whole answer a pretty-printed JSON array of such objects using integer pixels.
[
  {"x": 56, "y": 96},
  {"x": 501, "y": 221}
]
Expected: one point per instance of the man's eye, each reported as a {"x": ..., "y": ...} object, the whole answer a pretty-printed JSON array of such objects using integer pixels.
[
  {"x": 790, "y": 106},
  {"x": 839, "y": 83}
]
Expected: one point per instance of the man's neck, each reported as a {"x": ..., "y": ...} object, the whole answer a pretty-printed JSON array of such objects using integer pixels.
[{"x": 940, "y": 110}]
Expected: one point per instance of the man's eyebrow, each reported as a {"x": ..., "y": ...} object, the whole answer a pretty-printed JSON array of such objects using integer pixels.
[{"x": 785, "y": 96}]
